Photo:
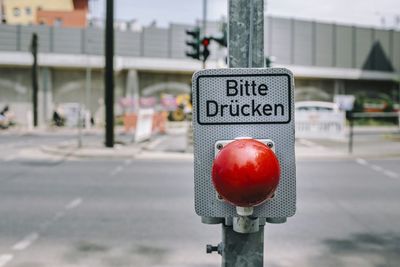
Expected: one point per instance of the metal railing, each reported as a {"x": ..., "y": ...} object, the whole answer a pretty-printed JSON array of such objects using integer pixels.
[{"x": 362, "y": 115}]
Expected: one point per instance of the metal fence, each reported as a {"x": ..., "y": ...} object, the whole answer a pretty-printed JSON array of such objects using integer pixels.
[
  {"x": 150, "y": 42},
  {"x": 290, "y": 41}
]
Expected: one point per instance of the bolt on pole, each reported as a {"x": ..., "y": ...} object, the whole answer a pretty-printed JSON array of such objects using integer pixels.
[
  {"x": 245, "y": 50},
  {"x": 109, "y": 74}
]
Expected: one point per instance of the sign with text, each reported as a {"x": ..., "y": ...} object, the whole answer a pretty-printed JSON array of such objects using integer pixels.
[
  {"x": 233, "y": 103},
  {"x": 243, "y": 99}
]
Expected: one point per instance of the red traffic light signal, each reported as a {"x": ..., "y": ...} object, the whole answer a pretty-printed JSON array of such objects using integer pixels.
[
  {"x": 205, "y": 42},
  {"x": 246, "y": 173},
  {"x": 205, "y": 52}
]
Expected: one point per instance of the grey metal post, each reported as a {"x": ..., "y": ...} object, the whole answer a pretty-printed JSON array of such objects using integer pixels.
[
  {"x": 109, "y": 73},
  {"x": 246, "y": 34},
  {"x": 246, "y": 50},
  {"x": 35, "y": 84},
  {"x": 204, "y": 24},
  {"x": 80, "y": 126},
  {"x": 351, "y": 133},
  {"x": 88, "y": 86}
]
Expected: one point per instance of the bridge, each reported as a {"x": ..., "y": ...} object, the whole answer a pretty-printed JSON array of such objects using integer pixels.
[{"x": 327, "y": 59}]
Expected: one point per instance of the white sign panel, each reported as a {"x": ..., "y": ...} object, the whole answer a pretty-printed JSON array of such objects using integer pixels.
[
  {"x": 345, "y": 102},
  {"x": 231, "y": 103},
  {"x": 320, "y": 125},
  {"x": 144, "y": 125},
  {"x": 243, "y": 99}
]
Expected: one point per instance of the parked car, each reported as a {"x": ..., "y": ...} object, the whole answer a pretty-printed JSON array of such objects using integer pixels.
[
  {"x": 318, "y": 106},
  {"x": 318, "y": 119}
]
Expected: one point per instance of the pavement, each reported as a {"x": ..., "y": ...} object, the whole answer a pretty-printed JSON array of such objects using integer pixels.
[
  {"x": 71, "y": 211},
  {"x": 369, "y": 142}
]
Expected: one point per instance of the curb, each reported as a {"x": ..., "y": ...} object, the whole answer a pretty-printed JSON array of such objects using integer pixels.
[
  {"x": 92, "y": 153},
  {"x": 305, "y": 157}
]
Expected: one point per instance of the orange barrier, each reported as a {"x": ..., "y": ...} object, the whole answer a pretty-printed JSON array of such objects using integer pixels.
[
  {"x": 129, "y": 122},
  {"x": 159, "y": 122}
]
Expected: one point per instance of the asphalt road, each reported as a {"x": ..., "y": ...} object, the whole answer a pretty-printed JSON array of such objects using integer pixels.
[{"x": 131, "y": 212}]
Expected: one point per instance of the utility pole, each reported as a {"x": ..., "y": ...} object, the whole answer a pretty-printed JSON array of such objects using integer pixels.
[
  {"x": 245, "y": 50},
  {"x": 109, "y": 74},
  {"x": 204, "y": 25},
  {"x": 35, "y": 86}
]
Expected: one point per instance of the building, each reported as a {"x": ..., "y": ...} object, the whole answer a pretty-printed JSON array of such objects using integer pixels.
[
  {"x": 326, "y": 59},
  {"x": 64, "y": 13}
]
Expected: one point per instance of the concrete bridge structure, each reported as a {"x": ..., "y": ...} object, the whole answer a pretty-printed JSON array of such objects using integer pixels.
[{"x": 327, "y": 59}]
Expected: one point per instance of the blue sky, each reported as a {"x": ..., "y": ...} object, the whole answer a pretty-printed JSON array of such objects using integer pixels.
[{"x": 358, "y": 12}]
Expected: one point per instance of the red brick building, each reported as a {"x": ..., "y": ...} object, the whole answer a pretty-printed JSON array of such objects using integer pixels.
[{"x": 76, "y": 18}]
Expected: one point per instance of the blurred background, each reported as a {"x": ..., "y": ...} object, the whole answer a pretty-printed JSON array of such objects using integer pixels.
[{"x": 67, "y": 200}]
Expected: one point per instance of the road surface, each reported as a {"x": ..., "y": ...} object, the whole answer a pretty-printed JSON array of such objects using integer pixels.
[{"x": 58, "y": 211}]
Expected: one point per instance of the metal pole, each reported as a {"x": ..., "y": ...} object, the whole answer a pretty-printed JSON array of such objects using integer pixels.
[
  {"x": 109, "y": 73},
  {"x": 204, "y": 25},
  {"x": 351, "y": 133},
  {"x": 246, "y": 50},
  {"x": 246, "y": 34},
  {"x": 35, "y": 86},
  {"x": 88, "y": 94},
  {"x": 80, "y": 126}
]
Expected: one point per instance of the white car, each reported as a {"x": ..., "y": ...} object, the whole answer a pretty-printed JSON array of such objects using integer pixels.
[
  {"x": 318, "y": 106},
  {"x": 320, "y": 120}
]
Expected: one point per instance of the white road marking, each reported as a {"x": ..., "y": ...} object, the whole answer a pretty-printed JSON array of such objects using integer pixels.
[
  {"x": 9, "y": 158},
  {"x": 5, "y": 258},
  {"x": 376, "y": 168},
  {"x": 127, "y": 161},
  {"x": 58, "y": 216},
  {"x": 31, "y": 238},
  {"x": 391, "y": 174},
  {"x": 116, "y": 170},
  {"x": 307, "y": 143},
  {"x": 361, "y": 161},
  {"x": 73, "y": 204},
  {"x": 26, "y": 242},
  {"x": 45, "y": 225},
  {"x": 156, "y": 143}
]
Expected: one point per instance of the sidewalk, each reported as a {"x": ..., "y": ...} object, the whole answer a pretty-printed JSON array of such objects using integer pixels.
[
  {"x": 92, "y": 151},
  {"x": 41, "y": 131},
  {"x": 369, "y": 142},
  {"x": 132, "y": 151},
  {"x": 372, "y": 146}
]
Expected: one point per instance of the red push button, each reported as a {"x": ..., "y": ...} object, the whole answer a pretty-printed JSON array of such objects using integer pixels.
[{"x": 246, "y": 173}]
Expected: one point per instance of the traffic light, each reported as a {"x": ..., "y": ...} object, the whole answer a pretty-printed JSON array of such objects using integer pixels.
[
  {"x": 205, "y": 52},
  {"x": 199, "y": 46},
  {"x": 268, "y": 62},
  {"x": 223, "y": 39},
  {"x": 194, "y": 43}
]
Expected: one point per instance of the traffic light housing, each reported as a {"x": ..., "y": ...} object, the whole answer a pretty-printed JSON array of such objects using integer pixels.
[
  {"x": 222, "y": 40},
  {"x": 199, "y": 46},
  {"x": 269, "y": 60},
  {"x": 194, "y": 43},
  {"x": 205, "y": 51}
]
